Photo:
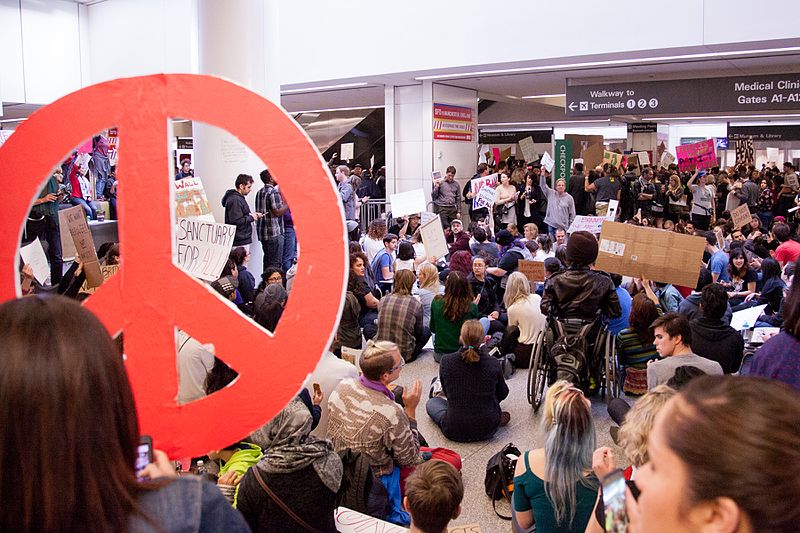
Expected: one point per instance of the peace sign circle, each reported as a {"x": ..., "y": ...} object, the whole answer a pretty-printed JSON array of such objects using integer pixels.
[{"x": 149, "y": 297}]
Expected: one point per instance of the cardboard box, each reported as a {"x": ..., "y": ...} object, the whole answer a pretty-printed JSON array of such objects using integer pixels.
[{"x": 656, "y": 254}]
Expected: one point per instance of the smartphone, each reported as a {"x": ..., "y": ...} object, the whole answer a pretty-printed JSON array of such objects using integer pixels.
[
  {"x": 144, "y": 453},
  {"x": 616, "y": 520},
  {"x": 317, "y": 389}
]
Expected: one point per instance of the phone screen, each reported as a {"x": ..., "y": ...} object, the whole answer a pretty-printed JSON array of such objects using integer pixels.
[
  {"x": 144, "y": 453},
  {"x": 614, "y": 501}
]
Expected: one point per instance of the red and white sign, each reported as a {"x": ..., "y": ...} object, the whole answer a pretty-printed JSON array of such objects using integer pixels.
[{"x": 453, "y": 123}]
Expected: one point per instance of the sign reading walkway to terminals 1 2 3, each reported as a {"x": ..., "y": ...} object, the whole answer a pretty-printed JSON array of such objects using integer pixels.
[{"x": 706, "y": 95}]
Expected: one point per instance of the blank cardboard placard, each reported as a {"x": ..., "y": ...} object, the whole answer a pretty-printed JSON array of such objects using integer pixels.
[
  {"x": 656, "y": 254},
  {"x": 741, "y": 216},
  {"x": 407, "y": 203},
  {"x": 533, "y": 270},
  {"x": 149, "y": 312},
  {"x": 593, "y": 156}
]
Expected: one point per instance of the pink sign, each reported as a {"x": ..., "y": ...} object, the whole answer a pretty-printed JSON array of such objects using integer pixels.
[{"x": 698, "y": 155}]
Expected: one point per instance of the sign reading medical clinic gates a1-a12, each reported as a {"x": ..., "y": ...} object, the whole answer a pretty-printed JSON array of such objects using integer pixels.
[{"x": 703, "y": 95}]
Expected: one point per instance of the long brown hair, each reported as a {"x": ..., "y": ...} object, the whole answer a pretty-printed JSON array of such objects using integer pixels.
[
  {"x": 791, "y": 306},
  {"x": 471, "y": 338},
  {"x": 643, "y": 312},
  {"x": 457, "y": 296},
  {"x": 739, "y": 439},
  {"x": 68, "y": 425}
]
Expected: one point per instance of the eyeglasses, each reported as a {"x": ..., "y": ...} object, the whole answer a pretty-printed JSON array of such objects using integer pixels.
[{"x": 398, "y": 367}]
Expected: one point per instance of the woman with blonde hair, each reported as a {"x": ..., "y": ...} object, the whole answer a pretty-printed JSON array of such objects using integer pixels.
[
  {"x": 427, "y": 288},
  {"x": 524, "y": 311},
  {"x": 554, "y": 486},
  {"x": 473, "y": 386}
]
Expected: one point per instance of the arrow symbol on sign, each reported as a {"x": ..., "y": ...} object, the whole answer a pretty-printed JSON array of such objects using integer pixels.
[{"x": 571, "y": 106}]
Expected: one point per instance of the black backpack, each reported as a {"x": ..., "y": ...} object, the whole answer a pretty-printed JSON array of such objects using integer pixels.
[
  {"x": 568, "y": 356},
  {"x": 499, "y": 480},
  {"x": 360, "y": 490}
]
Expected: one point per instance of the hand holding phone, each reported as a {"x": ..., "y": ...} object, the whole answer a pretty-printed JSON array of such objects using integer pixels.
[
  {"x": 614, "y": 489},
  {"x": 144, "y": 454}
]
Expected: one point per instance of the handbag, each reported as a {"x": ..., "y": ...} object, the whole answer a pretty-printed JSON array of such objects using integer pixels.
[
  {"x": 499, "y": 480},
  {"x": 280, "y": 503}
]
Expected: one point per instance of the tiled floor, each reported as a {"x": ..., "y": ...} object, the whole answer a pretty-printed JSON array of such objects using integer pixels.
[{"x": 523, "y": 431}]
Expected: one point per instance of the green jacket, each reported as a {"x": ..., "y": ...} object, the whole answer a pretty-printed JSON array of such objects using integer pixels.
[{"x": 241, "y": 461}]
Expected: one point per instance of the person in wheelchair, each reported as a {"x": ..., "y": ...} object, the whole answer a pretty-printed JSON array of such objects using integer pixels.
[{"x": 580, "y": 295}]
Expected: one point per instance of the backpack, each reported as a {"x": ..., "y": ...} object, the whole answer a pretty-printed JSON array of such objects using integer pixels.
[
  {"x": 568, "y": 357},
  {"x": 499, "y": 347},
  {"x": 375, "y": 266},
  {"x": 499, "y": 480},
  {"x": 360, "y": 490}
]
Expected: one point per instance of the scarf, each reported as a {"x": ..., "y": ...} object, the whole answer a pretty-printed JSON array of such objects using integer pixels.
[
  {"x": 289, "y": 447},
  {"x": 376, "y": 385}
]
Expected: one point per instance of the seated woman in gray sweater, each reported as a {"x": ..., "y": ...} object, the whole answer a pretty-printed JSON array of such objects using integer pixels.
[{"x": 472, "y": 388}]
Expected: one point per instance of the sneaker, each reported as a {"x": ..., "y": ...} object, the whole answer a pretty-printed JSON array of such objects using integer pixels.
[{"x": 436, "y": 387}]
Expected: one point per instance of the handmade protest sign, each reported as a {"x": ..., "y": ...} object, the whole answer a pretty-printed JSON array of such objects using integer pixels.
[
  {"x": 697, "y": 155},
  {"x": 612, "y": 158},
  {"x": 150, "y": 296},
  {"x": 190, "y": 199},
  {"x": 84, "y": 244},
  {"x": 33, "y": 255},
  {"x": 741, "y": 216},
  {"x": 486, "y": 196},
  {"x": 613, "y": 206},
  {"x": 475, "y": 186},
  {"x": 107, "y": 271},
  {"x": 202, "y": 248},
  {"x": 792, "y": 181},
  {"x": 667, "y": 159},
  {"x": 547, "y": 161},
  {"x": 528, "y": 149},
  {"x": 656, "y": 254},
  {"x": 644, "y": 157},
  {"x": 433, "y": 238},
  {"x": 593, "y": 156},
  {"x": 407, "y": 203},
  {"x": 586, "y": 223},
  {"x": 533, "y": 270}
]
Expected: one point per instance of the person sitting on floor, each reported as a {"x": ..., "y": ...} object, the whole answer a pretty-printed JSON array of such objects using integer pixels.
[
  {"x": 713, "y": 339},
  {"x": 673, "y": 340},
  {"x": 433, "y": 497},
  {"x": 472, "y": 388},
  {"x": 400, "y": 317}
]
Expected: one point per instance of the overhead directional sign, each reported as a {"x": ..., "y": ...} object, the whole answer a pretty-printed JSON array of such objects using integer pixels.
[{"x": 706, "y": 95}]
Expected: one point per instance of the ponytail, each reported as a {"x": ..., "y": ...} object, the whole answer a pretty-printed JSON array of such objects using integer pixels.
[{"x": 471, "y": 339}]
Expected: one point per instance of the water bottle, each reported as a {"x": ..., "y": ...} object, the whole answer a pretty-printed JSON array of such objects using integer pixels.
[{"x": 201, "y": 468}]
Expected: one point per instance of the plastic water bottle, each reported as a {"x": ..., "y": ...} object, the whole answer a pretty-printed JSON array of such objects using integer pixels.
[{"x": 201, "y": 468}]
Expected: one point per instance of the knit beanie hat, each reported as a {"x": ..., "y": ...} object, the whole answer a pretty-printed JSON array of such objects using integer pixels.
[
  {"x": 504, "y": 237},
  {"x": 581, "y": 249}
]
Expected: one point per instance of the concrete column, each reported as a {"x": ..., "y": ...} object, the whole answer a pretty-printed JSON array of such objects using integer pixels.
[{"x": 237, "y": 40}]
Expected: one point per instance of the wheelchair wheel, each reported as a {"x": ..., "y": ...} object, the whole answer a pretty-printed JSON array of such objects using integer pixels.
[
  {"x": 537, "y": 380},
  {"x": 532, "y": 367}
]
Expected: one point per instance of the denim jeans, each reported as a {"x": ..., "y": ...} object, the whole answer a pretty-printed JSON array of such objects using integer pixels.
[
  {"x": 437, "y": 410},
  {"x": 91, "y": 212},
  {"x": 289, "y": 248},
  {"x": 273, "y": 252}
]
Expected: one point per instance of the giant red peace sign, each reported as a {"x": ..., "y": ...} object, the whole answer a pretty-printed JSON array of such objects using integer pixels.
[{"x": 149, "y": 296}]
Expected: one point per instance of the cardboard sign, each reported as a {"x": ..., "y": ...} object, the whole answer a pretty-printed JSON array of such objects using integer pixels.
[
  {"x": 84, "y": 244},
  {"x": 190, "y": 199},
  {"x": 593, "y": 156},
  {"x": 697, "y": 155},
  {"x": 475, "y": 187},
  {"x": 612, "y": 158},
  {"x": 33, "y": 255},
  {"x": 547, "y": 162},
  {"x": 465, "y": 528},
  {"x": 533, "y": 270},
  {"x": 349, "y": 521},
  {"x": 151, "y": 296},
  {"x": 720, "y": 237},
  {"x": 656, "y": 254},
  {"x": 644, "y": 157},
  {"x": 407, "y": 203},
  {"x": 107, "y": 271},
  {"x": 433, "y": 238},
  {"x": 202, "y": 248},
  {"x": 613, "y": 207},
  {"x": 741, "y": 216},
  {"x": 586, "y": 223},
  {"x": 351, "y": 355},
  {"x": 528, "y": 149}
]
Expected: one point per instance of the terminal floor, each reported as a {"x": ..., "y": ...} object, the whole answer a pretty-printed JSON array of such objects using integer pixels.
[{"x": 523, "y": 431}]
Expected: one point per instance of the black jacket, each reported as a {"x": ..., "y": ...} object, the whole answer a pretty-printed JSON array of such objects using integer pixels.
[
  {"x": 719, "y": 342},
  {"x": 237, "y": 212},
  {"x": 580, "y": 293}
]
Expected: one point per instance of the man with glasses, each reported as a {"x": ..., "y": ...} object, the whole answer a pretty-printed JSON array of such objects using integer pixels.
[{"x": 364, "y": 416}]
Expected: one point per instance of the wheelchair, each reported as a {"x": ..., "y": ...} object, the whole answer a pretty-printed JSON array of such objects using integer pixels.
[{"x": 606, "y": 369}]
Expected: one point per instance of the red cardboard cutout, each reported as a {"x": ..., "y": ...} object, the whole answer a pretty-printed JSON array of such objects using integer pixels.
[{"x": 149, "y": 296}]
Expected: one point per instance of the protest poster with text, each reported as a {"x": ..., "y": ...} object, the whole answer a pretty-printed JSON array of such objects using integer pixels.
[
  {"x": 741, "y": 216},
  {"x": 533, "y": 270},
  {"x": 433, "y": 238},
  {"x": 75, "y": 218},
  {"x": 612, "y": 158},
  {"x": 587, "y": 223},
  {"x": 697, "y": 155},
  {"x": 202, "y": 247},
  {"x": 547, "y": 162},
  {"x": 475, "y": 187},
  {"x": 191, "y": 200},
  {"x": 107, "y": 271}
]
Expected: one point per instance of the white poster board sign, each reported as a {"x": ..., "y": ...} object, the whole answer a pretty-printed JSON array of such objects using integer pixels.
[
  {"x": 477, "y": 184},
  {"x": 433, "y": 238},
  {"x": 613, "y": 207},
  {"x": 486, "y": 196},
  {"x": 202, "y": 247},
  {"x": 528, "y": 149},
  {"x": 644, "y": 158},
  {"x": 347, "y": 150},
  {"x": 190, "y": 199},
  {"x": 407, "y": 203},
  {"x": 33, "y": 255},
  {"x": 667, "y": 159},
  {"x": 426, "y": 216},
  {"x": 548, "y": 162},
  {"x": 746, "y": 318},
  {"x": 585, "y": 223}
]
